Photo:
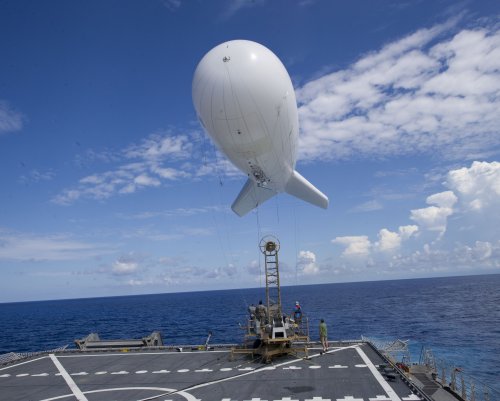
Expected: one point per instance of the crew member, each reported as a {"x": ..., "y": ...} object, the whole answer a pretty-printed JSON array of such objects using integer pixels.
[
  {"x": 260, "y": 313},
  {"x": 297, "y": 313},
  {"x": 323, "y": 335}
]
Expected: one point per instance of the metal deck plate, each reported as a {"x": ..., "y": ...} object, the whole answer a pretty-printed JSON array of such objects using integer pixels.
[{"x": 346, "y": 373}]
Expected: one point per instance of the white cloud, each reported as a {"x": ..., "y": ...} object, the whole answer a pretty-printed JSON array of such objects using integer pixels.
[
  {"x": 10, "y": 120},
  {"x": 125, "y": 266},
  {"x": 434, "y": 218},
  {"x": 414, "y": 248},
  {"x": 179, "y": 212},
  {"x": 427, "y": 92},
  {"x": 160, "y": 158},
  {"x": 31, "y": 247},
  {"x": 406, "y": 232},
  {"x": 446, "y": 199},
  {"x": 158, "y": 146},
  {"x": 355, "y": 245},
  {"x": 142, "y": 166},
  {"x": 389, "y": 241},
  {"x": 146, "y": 181},
  {"x": 368, "y": 206},
  {"x": 306, "y": 263},
  {"x": 477, "y": 186}
]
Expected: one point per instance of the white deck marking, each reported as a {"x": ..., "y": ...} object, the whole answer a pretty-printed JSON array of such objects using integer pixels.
[
  {"x": 337, "y": 367},
  {"x": 250, "y": 373},
  {"x": 68, "y": 379},
  {"x": 182, "y": 393},
  {"x": 315, "y": 367},
  {"x": 121, "y": 372},
  {"x": 22, "y": 374},
  {"x": 387, "y": 388},
  {"x": 183, "y": 370},
  {"x": 161, "y": 371},
  {"x": 226, "y": 369},
  {"x": 101, "y": 373},
  {"x": 292, "y": 368},
  {"x": 79, "y": 374},
  {"x": 256, "y": 399},
  {"x": 204, "y": 370},
  {"x": 380, "y": 398},
  {"x": 286, "y": 399},
  {"x": 247, "y": 369},
  {"x": 40, "y": 375},
  {"x": 349, "y": 398},
  {"x": 411, "y": 397},
  {"x": 141, "y": 372},
  {"x": 22, "y": 363},
  {"x": 361, "y": 366},
  {"x": 5, "y": 375},
  {"x": 318, "y": 399}
]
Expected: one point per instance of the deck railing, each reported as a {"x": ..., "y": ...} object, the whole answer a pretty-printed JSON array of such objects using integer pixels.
[{"x": 456, "y": 380}]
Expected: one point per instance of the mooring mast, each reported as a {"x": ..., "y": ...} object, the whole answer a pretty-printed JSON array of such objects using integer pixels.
[{"x": 270, "y": 246}]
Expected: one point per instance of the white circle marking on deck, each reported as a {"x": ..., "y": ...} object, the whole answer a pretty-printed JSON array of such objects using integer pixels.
[{"x": 184, "y": 394}]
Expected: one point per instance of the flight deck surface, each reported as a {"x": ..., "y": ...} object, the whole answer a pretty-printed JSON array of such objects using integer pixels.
[{"x": 347, "y": 372}]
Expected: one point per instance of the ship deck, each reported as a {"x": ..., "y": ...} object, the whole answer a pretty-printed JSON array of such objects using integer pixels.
[{"x": 347, "y": 372}]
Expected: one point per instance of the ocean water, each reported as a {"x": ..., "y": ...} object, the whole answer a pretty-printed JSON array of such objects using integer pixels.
[{"x": 458, "y": 317}]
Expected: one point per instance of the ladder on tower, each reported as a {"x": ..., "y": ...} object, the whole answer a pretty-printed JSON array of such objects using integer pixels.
[{"x": 273, "y": 292}]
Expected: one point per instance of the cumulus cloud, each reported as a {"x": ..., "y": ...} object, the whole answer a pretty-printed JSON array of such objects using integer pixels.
[
  {"x": 10, "y": 120},
  {"x": 431, "y": 91},
  {"x": 354, "y": 245},
  {"x": 434, "y": 218},
  {"x": 473, "y": 196},
  {"x": 479, "y": 256},
  {"x": 306, "y": 263},
  {"x": 388, "y": 242},
  {"x": 478, "y": 186}
]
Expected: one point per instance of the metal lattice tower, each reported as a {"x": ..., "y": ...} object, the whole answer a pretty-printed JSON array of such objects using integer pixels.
[{"x": 270, "y": 246}]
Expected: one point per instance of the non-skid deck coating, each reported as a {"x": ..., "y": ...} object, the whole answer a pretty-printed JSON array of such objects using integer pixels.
[{"x": 346, "y": 373}]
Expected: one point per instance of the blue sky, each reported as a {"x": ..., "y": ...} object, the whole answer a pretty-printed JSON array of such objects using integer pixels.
[{"x": 110, "y": 187}]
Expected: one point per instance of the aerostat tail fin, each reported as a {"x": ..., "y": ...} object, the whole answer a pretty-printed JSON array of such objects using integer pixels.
[
  {"x": 250, "y": 197},
  {"x": 299, "y": 187}
]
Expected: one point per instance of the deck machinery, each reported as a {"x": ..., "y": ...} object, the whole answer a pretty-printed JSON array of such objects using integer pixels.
[{"x": 272, "y": 333}]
